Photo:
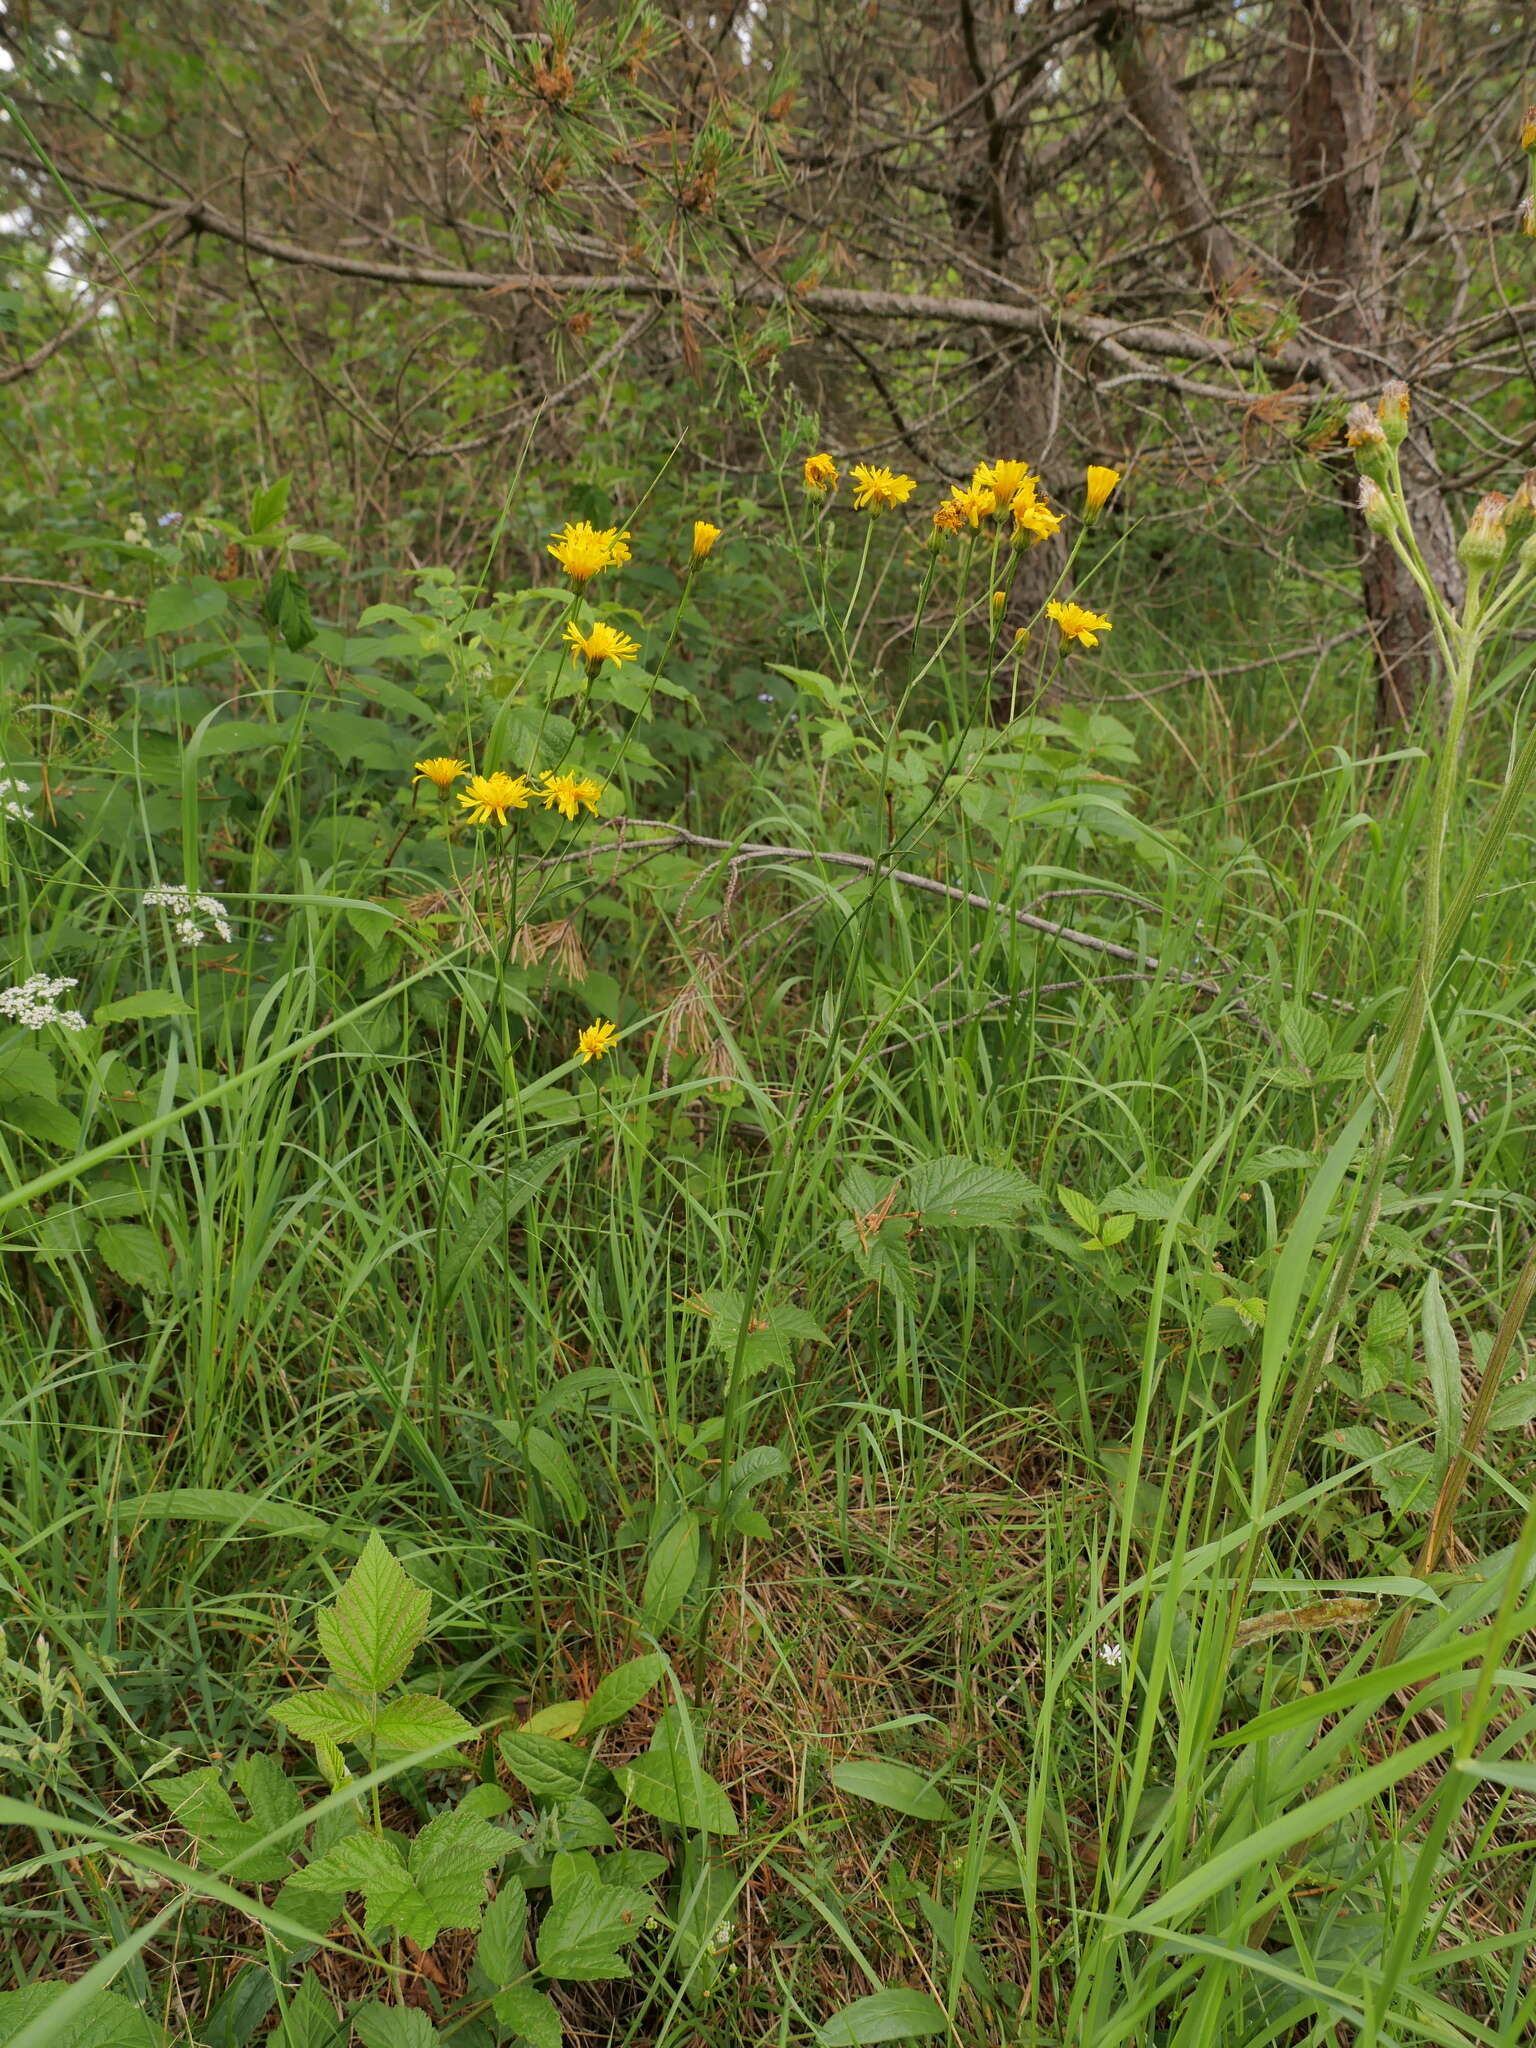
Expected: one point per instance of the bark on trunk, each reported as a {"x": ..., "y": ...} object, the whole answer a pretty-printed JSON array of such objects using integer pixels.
[{"x": 1336, "y": 176}]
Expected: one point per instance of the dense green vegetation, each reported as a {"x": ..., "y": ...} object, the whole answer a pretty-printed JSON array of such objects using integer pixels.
[{"x": 820, "y": 1342}]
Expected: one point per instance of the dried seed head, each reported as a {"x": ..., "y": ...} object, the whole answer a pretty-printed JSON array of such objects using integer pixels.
[
  {"x": 1393, "y": 412},
  {"x": 1375, "y": 506},
  {"x": 1486, "y": 540},
  {"x": 1528, "y": 214},
  {"x": 1522, "y": 506},
  {"x": 1365, "y": 435}
]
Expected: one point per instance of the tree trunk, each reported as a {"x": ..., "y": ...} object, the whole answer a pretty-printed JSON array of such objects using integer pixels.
[{"x": 1336, "y": 177}]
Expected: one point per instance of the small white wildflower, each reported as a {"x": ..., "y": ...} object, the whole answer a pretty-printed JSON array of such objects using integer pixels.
[
  {"x": 722, "y": 1937},
  {"x": 1111, "y": 1653},
  {"x": 11, "y": 793},
  {"x": 190, "y": 914},
  {"x": 36, "y": 1003}
]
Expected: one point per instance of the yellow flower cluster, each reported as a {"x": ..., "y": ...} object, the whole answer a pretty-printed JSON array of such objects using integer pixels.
[
  {"x": 582, "y": 550},
  {"x": 488, "y": 798}
]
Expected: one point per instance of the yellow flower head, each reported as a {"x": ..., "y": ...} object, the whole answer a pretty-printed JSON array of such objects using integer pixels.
[
  {"x": 582, "y": 549},
  {"x": 1005, "y": 480},
  {"x": 440, "y": 770},
  {"x": 704, "y": 538},
  {"x": 1528, "y": 130},
  {"x": 948, "y": 518},
  {"x": 1034, "y": 521},
  {"x": 974, "y": 502},
  {"x": 999, "y": 605},
  {"x": 602, "y": 643},
  {"x": 820, "y": 474},
  {"x": 598, "y": 1038},
  {"x": 490, "y": 797},
  {"x": 1101, "y": 482},
  {"x": 566, "y": 793},
  {"x": 880, "y": 489},
  {"x": 1076, "y": 623}
]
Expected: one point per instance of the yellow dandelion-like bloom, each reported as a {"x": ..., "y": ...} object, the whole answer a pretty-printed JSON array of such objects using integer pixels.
[
  {"x": 440, "y": 770},
  {"x": 880, "y": 489},
  {"x": 948, "y": 518},
  {"x": 488, "y": 798},
  {"x": 974, "y": 502},
  {"x": 1005, "y": 480},
  {"x": 602, "y": 643},
  {"x": 566, "y": 793},
  {"x": 704, "y": 538},
  {"x": 820, "y": 473},
  {"x": 582, "y": 549},
  {"x": 1036, "y": 521},
  {"x": 597, "y": 1040},
  {"x": 1101, "y": 481},
  {"x": 1077, "y": 623}
]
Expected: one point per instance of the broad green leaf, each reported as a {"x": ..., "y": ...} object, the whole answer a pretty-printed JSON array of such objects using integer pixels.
[
  {"x": 468, "y": 1240},
  {"x": 393, "y": 2026},
  {"x": 418, "y": 1720},
  {"x": 1080, "y": 1209},
  {"x": 310, "y": 2020},
  {"x": 1115, "y": 1229},
  {"x": 273, "y": 1799},
  {"x": 1442, "y": 1357},
  {"x": 962, "y": 1195},
  {"x": 149, "y": 1002},
  {"x": 198, "y": 1802},
  {"x": 135, "y": 1254},
  {"x": 502, "y": 1934},
  {"x": 104, "y": 2021},
  {"x": 178, "y": 607},
  {"x": 671, "y": 1571},
  {"x": 549, "y": 1458},
  {"x": 285, "y": 608},
  {"x": 622, "y": 1690},
  {"x": 373, "y": 1629},
  {"x": 448, "y": 1864},
  {"x": 27, "y": 1070},
  {"x": 321, "y": 1716},
  {"x": 665, "y": 1782},
  {"x": 884, "y": 2016},
  {"x": 893, "y": 1785},
  {"x": 529, "y": 2016},
  {"x": 587, "y": 1923},
  {"x": 269, "y": 504}
]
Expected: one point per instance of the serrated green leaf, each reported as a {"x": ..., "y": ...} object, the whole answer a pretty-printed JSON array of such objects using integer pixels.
[
  {"x": 269, "y": 504},
  {"x": 104, "y": 2021},
  {"x": 393, "y": 2026},
  {"x": 285, "y": 608},
  {"x": 310, "y": 2020},
  {"x": 1388, "y": 1323},
  {"x": 673, "y": 1566},
  {"x": 502, "y": 1935},
  {"x": 529, "y": 2016},
  {"x": 372, "y": 1631},
  {"x": 893, "y": 1785},
  {"x": 149, "y": 1002},
  {"x": 1080, "y": 1209},
  {"x": 622, "y": 1690},
  {"x": 418, "y": 1720},
  {"x": 448, "y": 1864},
  {"x": 587, "y": 1923},
  {"x": 135, "y": 1254},
  {"x": 273, "y": 1799},
  {"x": 884, "y": 2016},
  {"x": 960, "y": 1194},
  {"x": 1115, "y": 1229},
  {"x": 321, "y": 1716},
  {"x": 198, "y": 1802}
]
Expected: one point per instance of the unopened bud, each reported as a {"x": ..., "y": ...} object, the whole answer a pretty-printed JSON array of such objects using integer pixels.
[
  {"x": 1393, "y": 412},
  {"x": 1522, "y": 506},
  {"x": 1486, "y": 540},
  {"x": 1366, "y": 436},
  {"x": 1528, "y": 132},
  {"x": 1375, "y": 507},
  {"x": 999, "y": 605}
]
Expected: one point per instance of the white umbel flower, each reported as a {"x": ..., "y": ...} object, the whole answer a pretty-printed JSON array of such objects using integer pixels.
[
  {"x": 36, "y": 1003},
  {"x": 191, "y": 915},
  {"x": 11, "y": 794}
]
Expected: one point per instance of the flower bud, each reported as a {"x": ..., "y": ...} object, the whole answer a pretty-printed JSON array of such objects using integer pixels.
[
  {"x": 1393, "y": 412},
  {"x": 1486, "y": 540},
  {"x": 999, "y": 606},
  {"x": 1375, "y": 507},
  {"x": 1528, "y": 132},
  {"x": 1522, "y": 506},
  {"x": 1365, "y": 434}
]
